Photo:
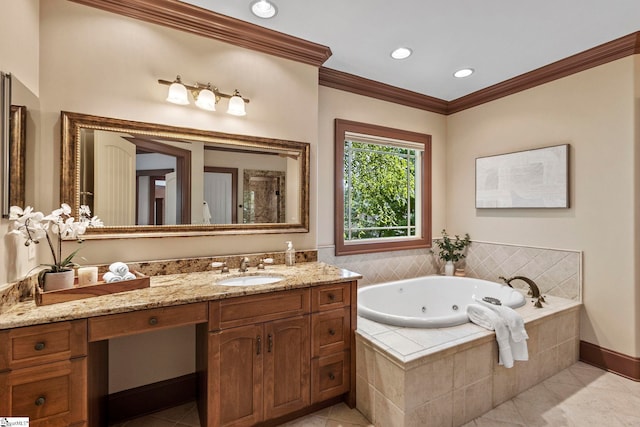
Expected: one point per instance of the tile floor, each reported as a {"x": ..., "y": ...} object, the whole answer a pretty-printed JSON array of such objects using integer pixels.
[{"x": 579, "y": 396}]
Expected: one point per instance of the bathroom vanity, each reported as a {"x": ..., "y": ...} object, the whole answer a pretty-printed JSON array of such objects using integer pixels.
[{"x": 263, "y": 352}]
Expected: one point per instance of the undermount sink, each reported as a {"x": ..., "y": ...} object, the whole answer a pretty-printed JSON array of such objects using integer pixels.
[{"x": 249, "y": 280}]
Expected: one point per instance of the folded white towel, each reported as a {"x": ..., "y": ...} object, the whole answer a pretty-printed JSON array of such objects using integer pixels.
[
  {"x": 519, "y": 349},
  {"x": 487, "y": 318},
  {"x": 119, "y": 268},
  {"x": 517, "y": 333},
  {"x": 483, "y": 316},
  {"x": 111, "y": 277},
  {"x": 514, "y": 320},
  {"x": 129, "y": 276}
]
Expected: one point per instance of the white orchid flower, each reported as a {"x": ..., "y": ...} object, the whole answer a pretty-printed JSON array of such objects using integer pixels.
[
  {"x": 33, "y": 226},
  {"x": 16, "y": 212}
]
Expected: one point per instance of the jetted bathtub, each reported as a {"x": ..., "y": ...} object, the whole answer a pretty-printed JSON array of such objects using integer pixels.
[{"x": 430, "y": 301}]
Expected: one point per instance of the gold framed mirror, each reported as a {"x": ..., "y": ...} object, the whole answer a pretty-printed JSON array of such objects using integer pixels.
[
  {"x": 146, "y": 179},
  {"x": 17, "y": 154}
]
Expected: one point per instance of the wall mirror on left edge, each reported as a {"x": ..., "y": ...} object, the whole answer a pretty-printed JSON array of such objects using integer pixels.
[{"x": 145, "y": 179}]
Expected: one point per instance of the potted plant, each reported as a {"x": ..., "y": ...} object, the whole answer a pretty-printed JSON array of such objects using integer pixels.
[
  {"x": 451, "y": 250},
  {"x": 55, "y": 227}
]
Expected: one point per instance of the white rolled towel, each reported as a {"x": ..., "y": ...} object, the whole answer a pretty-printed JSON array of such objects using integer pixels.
[
  {"x": 111, "y": 277},
  {"x": 119, "y": 268},
  {"x": 129, "y": 276}
]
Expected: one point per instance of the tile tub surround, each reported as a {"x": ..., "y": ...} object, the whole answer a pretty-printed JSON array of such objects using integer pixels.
[
  {"x": 556, "y": 272},
  {"x": 449, "y": 376}
]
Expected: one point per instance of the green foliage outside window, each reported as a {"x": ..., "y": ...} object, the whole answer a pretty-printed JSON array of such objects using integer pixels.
[{"x": 380, "y": 191}]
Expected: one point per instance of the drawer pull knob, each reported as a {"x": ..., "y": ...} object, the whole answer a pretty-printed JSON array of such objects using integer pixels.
[
  {"x": 332, "y": 332},
  {"x": 39, "y": 346},
  {"x": 40, "y": 401},
  {"x": 270, "y": 343},
  {"x": 331, "y": 376},
  {"x": 153, "y": 321},
  {"x": 258, "y": 344},
  {"x": 332, "y": 297}
]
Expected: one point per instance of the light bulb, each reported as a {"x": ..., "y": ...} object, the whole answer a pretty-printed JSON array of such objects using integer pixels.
[{"x": 263, "y": 9}]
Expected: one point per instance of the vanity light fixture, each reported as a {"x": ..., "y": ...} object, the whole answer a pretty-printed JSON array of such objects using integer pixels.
[
  {"x": 206, "y": 96},
  {"x": 264, "y": 9},
  {"x": 401, "y": 53},
  {"x": 464, "y": 72}
]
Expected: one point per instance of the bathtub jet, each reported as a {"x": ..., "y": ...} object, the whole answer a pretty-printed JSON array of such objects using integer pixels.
[{"x": 431, "y": 301}]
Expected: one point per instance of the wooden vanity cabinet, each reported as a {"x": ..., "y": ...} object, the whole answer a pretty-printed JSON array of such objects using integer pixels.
[
  {"x": 271, "y": 355},
  {"x": 43, "y": 372},
  {"x": 258, "y": 363}
]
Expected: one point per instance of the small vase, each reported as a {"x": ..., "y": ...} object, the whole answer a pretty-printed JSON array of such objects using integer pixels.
[
  {"x": 53, "y": 281},
  {"x": 449, "y": 268}
]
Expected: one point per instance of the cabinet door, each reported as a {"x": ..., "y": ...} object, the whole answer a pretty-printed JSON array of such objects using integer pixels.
[
  {"x": 240, "y": 352},
  {"x": 287, "y": 366},
  {"x": 51, "y": 395}
]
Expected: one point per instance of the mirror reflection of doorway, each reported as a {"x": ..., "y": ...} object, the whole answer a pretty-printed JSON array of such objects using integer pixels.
[
  {"x": 157, "y": 192},
  {"x": 220, "y": 195},
  {"x": 264, "y": 196}
]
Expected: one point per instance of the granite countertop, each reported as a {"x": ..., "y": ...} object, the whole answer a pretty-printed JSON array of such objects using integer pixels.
[{"x": 175, "y": 289}]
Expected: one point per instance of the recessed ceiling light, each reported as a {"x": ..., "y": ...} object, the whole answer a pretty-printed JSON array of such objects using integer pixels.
[
  {"x": 401, "y": 53},
  {"x": 465, "y": 72},
  {"x": 264, "y": 9}
]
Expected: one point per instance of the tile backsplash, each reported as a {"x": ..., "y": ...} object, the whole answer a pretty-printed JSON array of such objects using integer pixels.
[{"x": 556, "y": 272}]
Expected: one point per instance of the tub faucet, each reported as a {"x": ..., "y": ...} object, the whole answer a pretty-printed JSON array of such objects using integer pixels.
[
  {"x": 244, "y": 264},
  {"x": 534, "y": 291}
]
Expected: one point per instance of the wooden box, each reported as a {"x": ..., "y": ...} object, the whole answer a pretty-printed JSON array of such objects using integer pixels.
[{"x": 88, "y": 291}]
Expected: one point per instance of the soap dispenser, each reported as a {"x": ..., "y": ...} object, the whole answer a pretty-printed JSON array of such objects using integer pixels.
[{"x": 290, "y": 255}]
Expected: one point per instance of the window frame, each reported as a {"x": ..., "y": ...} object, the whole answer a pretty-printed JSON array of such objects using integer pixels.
[{"x": 394, "y": 244}]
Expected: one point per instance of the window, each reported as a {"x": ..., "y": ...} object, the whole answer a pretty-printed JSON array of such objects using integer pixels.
[{"x": 382, "y": 188}]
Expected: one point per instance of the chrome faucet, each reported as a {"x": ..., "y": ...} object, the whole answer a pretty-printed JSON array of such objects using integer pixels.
[
  {"x": 534, "y": 291},
  {"x": 244, "y": 264}
]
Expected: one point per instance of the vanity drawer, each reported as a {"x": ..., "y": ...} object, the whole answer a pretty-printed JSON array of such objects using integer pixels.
[
  {"x": 330, "y": 376},
  {"x": 34, "y": 345},
  {"x": 51, "y": 395},
  {"x": 234, "y": 312},
  {"x": 116, "y": 325},
  {"x": 330, "y": 332},
  {"x": 329, "y": 297}
]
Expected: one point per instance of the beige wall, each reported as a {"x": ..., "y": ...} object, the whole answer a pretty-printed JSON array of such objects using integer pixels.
[
  {"x": 594, "y": 112},
  {"x": 335, "y": 104},
  {"x": 19, "y": 47},
  {"x": 19, "y": 44}
]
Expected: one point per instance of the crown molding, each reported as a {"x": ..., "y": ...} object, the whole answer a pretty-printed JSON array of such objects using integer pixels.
[
  {"x": 371, "y": 88},
  {"x": 195, "y": 20},
  {"x": 607, "y": 52}
]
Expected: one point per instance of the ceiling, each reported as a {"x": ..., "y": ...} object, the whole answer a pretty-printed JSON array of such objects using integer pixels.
[{"x": 500, "y": 39}]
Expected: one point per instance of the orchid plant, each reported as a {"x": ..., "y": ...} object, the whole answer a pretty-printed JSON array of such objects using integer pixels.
[{"x": 59, "y": 225}]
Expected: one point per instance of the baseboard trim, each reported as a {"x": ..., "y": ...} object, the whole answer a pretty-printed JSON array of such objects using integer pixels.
[
  {"x": 610, "y": 360},
  {"x": 146, "y": 399}
]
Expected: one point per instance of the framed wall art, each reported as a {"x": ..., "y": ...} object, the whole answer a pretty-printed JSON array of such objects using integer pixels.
[{"x": 536, "y": 178}]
